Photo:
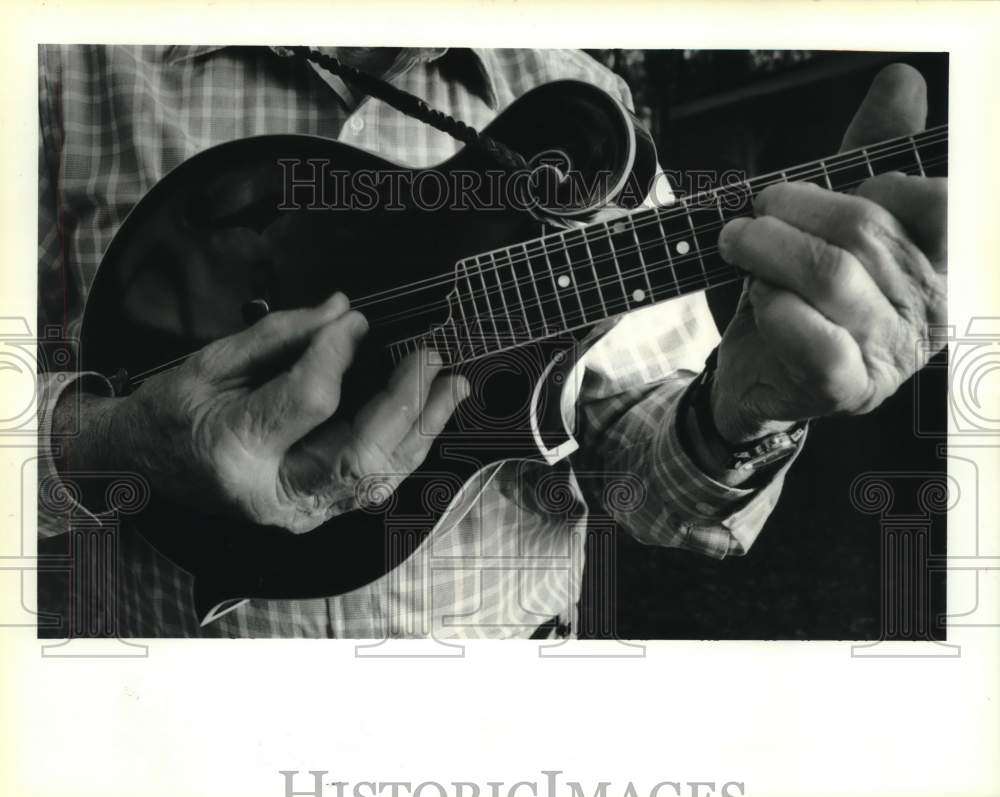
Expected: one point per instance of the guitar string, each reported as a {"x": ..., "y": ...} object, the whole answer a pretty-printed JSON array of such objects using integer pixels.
[
  {"x": 557, "y": 297},
  {"x": 849, "y": 159},
  {"x": 648, "y": 217},
  {"x": 862, "y": 155},
  {"x": 671, "y": 262},
  {"x": 868, "y": 155},
  {"x": 689, "y": 284}
]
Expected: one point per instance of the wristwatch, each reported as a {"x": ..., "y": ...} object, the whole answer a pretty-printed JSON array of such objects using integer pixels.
[{"x": 749, "y": 457}]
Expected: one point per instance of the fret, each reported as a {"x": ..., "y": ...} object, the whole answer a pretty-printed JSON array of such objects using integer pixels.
[
  {"x": 826, "y": 175},
  {"x": 933, "y": 148},
  {"x": 628, "y": 262},
  {"x": 659, "y": 274},
  {"x": 688, "y": 269},
  {"x": 669, "y": 273},
  {"x": 916, "y": 154},
  {"x": 477, "y": 334},
  {"x": 611, "y": 267},
  {"x": 394, "y": 352},
  {"x": 508, "y": 317},
  {"x": 734, "y": 199},
  {"x": 642, "y": 260},
  {"x": 523, "y": 275},
  {"x": 587, "y": 282},
  {"x": 555, "y": 286},
  {"x": 548, "y": 300},
  {"x": 614, "y": 261},
  {"x": 868, "y": 163},
  {"x": 542, "y": 306},
  {"x": 893, "y": 156},
  {"x": 565, "y": 278},
  {"x": 697, "y": 248},
  {"x": 614, "y": 296},
  {"x": 528, "y": 330},
  {"x": 849, "y": 170},
  {"x": 465, "y": 321},
  {"x": 490, "y": 313},
  {"x": 807, "y": 173}
]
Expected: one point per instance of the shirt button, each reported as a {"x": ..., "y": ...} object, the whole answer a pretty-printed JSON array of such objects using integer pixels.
[{"x": 357, "y": 124}]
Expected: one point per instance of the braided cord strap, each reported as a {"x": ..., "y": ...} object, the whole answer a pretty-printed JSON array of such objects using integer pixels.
[{"x": 413, "y": 106}]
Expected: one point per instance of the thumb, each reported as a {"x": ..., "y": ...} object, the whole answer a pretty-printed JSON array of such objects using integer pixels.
[{"x": 896, "y": 105}]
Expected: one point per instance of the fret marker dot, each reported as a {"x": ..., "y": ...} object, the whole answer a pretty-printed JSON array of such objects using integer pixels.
[
  {"x": 683, "y": 248},
  {"x": 564, "y": 281},
  {"x": 638, "y": 295}
]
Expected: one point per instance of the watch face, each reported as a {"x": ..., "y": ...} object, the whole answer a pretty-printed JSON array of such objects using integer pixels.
[{"x": 772, "y": 448}]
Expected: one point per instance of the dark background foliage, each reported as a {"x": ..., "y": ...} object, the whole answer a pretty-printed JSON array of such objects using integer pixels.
[{"x": 816, "y": 571}]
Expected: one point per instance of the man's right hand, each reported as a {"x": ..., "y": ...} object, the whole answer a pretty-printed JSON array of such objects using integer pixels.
[{"x": 244, "y": 426}]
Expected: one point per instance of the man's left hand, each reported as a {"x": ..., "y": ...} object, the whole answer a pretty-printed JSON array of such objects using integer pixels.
[{"x": 843, "y": 287}]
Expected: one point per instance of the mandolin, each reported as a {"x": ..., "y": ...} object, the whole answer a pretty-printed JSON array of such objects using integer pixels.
[{"x": 502, "y": 279}]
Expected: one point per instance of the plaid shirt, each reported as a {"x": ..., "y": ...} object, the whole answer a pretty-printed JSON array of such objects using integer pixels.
[{"x": 114, "y": 120}]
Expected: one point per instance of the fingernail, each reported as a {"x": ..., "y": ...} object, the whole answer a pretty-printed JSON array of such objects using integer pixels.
[
  {"x": 434, "y": 358},
  {"x": 464, "y": 390}
]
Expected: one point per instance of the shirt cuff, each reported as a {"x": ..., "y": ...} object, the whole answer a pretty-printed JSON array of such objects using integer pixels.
[
  {"x": 715, "y": 519},
  {"x": 57, "y": 499}
]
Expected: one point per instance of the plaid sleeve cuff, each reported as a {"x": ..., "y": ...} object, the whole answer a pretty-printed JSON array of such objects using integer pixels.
[
  {"x": 51, "y": 388},
  {"x": 684, "y": 507}
]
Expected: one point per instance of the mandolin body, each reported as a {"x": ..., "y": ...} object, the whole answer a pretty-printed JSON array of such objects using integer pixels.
[{"x": 265, "y": 222}]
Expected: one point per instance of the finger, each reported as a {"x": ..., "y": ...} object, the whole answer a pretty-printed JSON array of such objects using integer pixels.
[
  {"x": 819, "y": 353},
  {"x": 300, "y": 399},
  {"x": 920, "y": 204},
  {"x": 445, "y": 395},
  {"x": 390, "y": 415},
  {"x": 275, "y": 339},
  {"x": 826, "y": 276},
  {"x": 896, "y": 105},
  {"x": 333, "y": 458},
  {"x": 856, "y": 224}
]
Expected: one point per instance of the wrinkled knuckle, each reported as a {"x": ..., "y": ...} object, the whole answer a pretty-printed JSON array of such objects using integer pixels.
[
  {"x": 875, "y": 222},
  {"x": 321, "y": 401},
  {"x": 413, "y": 458},
  {"x": 204, "y": 362},
  {"x": 829, "y": 266}
]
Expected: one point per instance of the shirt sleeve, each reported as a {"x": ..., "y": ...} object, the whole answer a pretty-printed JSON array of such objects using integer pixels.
[
  {"x": 625, "y": 422},
  {"x": 54, "y": 491},
  {"x": 58, "y": 308}
]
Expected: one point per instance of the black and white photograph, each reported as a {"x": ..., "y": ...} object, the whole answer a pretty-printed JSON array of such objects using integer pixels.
[
  {"x": 565, "y": 399},
  {"x": 505, "y": 343}
]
